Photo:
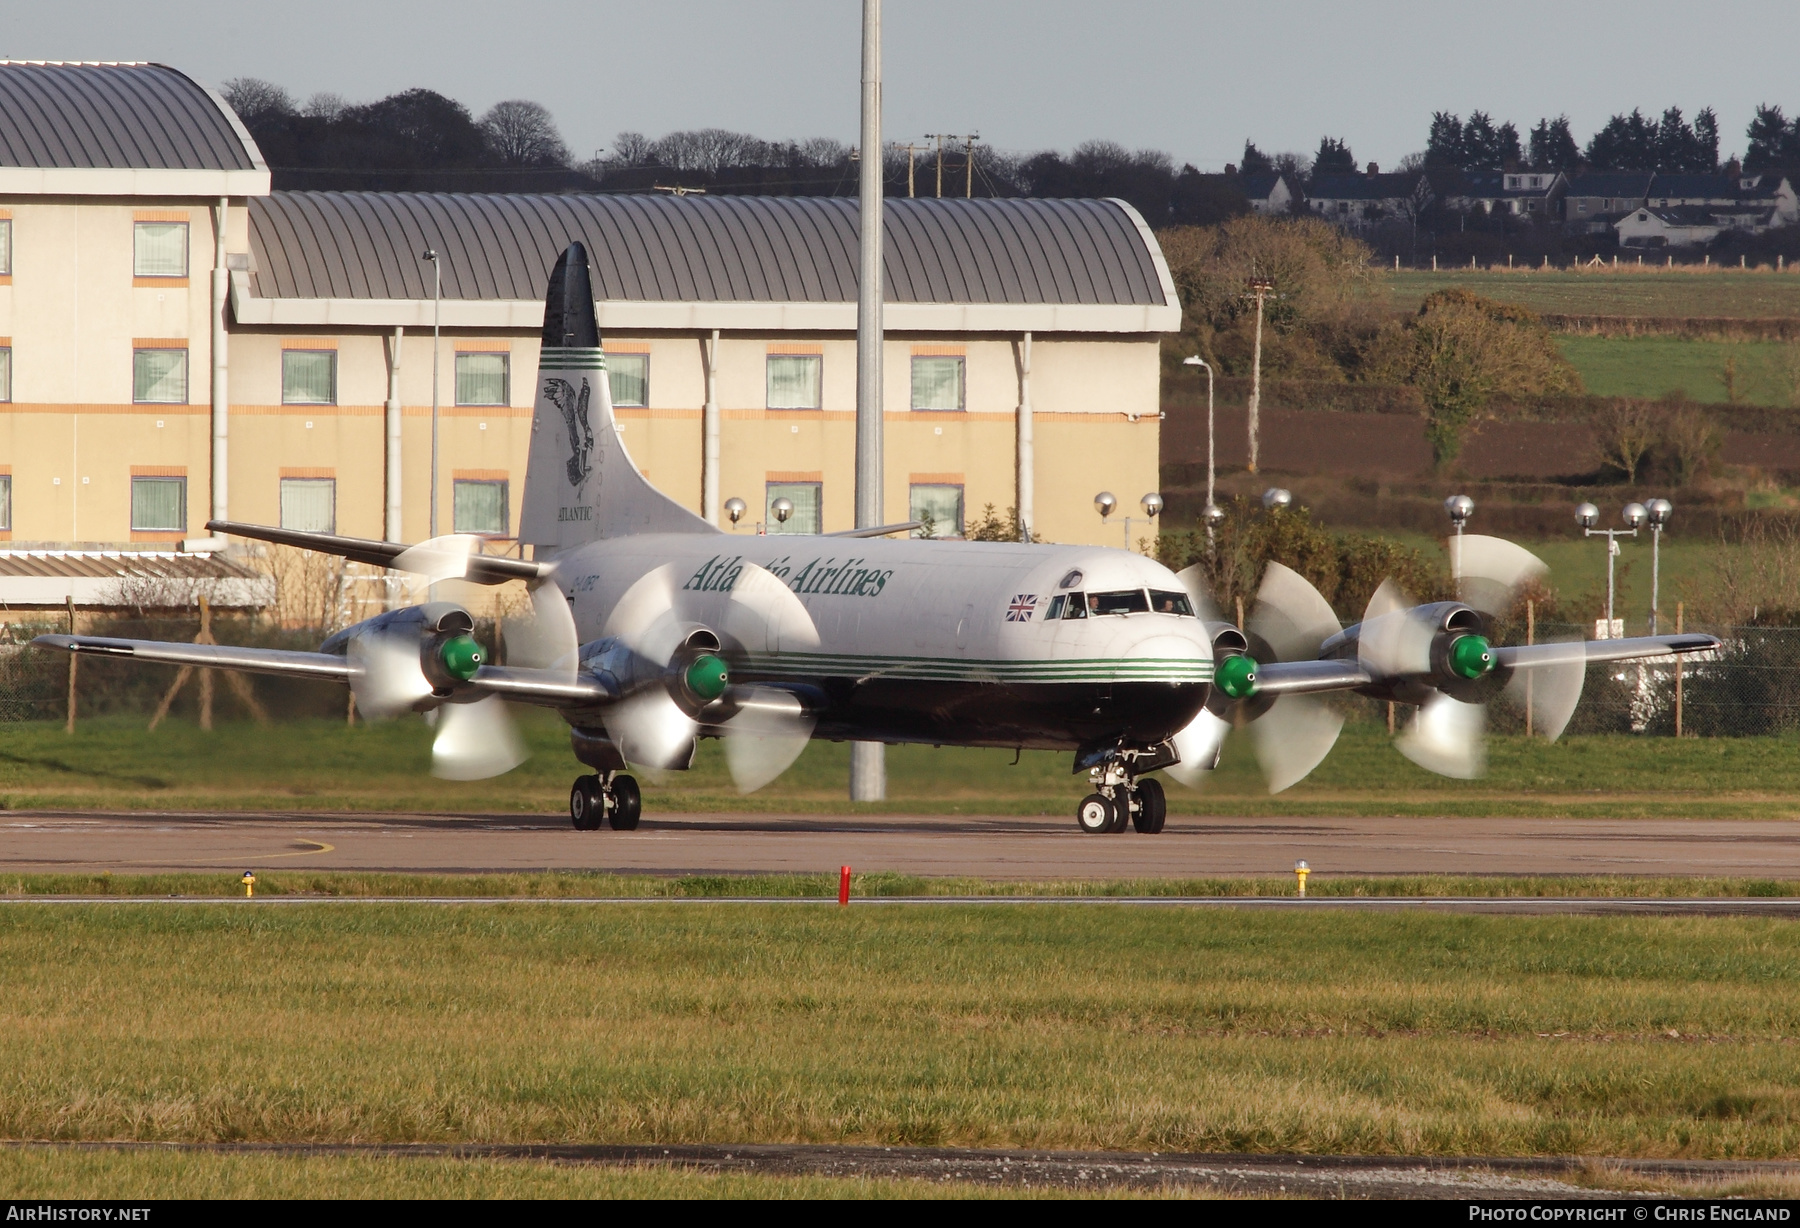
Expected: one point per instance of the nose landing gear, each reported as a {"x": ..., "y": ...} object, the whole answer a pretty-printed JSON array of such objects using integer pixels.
[
  {"x": 613, "y": 799},
  {"x": 1120, "y": 798}
]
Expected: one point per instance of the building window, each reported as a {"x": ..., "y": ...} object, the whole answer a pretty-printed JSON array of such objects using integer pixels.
[
  {"x": 805, "y": 498},
  {"x": 628, "y": 375},
  {"x": 5, "y": 373},
  {"x": 309, "y": 505},
  {"x": 160, "y": 249},
  {"x": 5, "y": 502},
  {"x": 159, "y": 504},
  {"x": 5, "y": 247},
  {"x": 159, "y": 377},
  {"x": 479, "y": 506},
  {"x": 481, "y": 379},
  {"x": 939, "y": 508},
  {"x": 794, "y": 381},
  {"x": 1581, "y": 206},
  {"x": 309, "y": 377},
  {"x": 937, "y": 383}
]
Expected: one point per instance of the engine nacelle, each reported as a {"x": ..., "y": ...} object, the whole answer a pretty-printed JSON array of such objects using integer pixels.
[
  {"x": 695, "y": 675},
  {"x": 448, "y": 651}
]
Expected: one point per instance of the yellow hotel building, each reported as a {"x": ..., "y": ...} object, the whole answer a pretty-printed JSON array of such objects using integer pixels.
[{"x": 179, "y": 343}]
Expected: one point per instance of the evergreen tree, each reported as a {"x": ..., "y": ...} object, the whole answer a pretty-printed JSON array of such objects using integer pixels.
[
  {"x": 1255, "y": 161},
  {"x": 1773, "y": 142},
  {"x": 1444, "y": 145},
  {"x": 1626, "y": 143},
  {"x": 1334, "y": 156},
  {"x": 1553, "y": 145}
]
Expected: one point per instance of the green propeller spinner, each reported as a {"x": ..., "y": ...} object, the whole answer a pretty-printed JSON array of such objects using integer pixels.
[
  {"x": 462, "y": 656},
  {"x": 1236, "y": 676},
  {"x": 1471, "y": 656},
  {"x": 706, "y": 677}
]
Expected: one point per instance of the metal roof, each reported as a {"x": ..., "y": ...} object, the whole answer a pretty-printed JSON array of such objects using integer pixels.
[
  {"x": 745, "y": 249},
  {"x": 116, "y": 116},
  {"x": 116, "y": 578}
]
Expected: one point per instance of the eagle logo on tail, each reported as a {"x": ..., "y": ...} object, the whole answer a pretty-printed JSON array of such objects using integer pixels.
[{"x": 574, "y": 407}]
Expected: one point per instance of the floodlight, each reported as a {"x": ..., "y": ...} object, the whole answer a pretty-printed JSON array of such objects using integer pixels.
[
  {"x": 1105, "y": 503},
  {"x": 1659, "y": 511},
  {"x": 1587, "y": 515},
  {"x": 1460, "y": 508},
  {"x": 1633, "y": 515},
  {"x": 1153, "y": 504},
  {"x": 735, "y": 508},
  {"x": 782, "y": 508},
  {"x": 1276, "y": 497}
]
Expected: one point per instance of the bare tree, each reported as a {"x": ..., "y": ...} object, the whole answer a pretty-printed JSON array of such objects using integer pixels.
[
  {"x": 326, "y": 106},
  {"x": 523, "y": 133},
  {"x": 253, "y": 98},
  {"x": 632, "y": 149}
]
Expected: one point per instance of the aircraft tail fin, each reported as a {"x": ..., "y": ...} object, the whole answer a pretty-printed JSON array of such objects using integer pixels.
[{"x": 580, "y": 483}]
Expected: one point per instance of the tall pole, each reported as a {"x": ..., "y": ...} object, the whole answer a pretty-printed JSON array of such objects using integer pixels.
[
  {"x": 1259, "y": 286},
  {"x": 1211, "y": 451},
  {"x": 1655, "y": 572},
  {"x": 709, "y": 430},
  {"x": 1027, "y": 476},
  {"x": 221, "y": 399},
  {"x": 437, "y": 309},
  {"x": 868, "y": 763},
  {"x": 969, "y": 167}
]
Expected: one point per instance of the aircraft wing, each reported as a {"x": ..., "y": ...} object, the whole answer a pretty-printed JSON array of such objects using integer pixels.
[
  {"x": 483, "y": 568},
  {"x": 1309, "y": 677},
  {"x": 1529, "y": 656},
  {"x": 530, "y": 686},
  {"x": 880, "y": 530},
  {"x": 289, "y": 664}
]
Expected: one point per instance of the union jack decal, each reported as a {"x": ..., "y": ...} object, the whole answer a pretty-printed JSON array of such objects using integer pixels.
[{"x": 1020, "y": 609}]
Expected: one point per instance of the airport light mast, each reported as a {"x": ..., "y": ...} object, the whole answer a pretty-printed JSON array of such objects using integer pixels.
[{"x": 868, "y": 760}]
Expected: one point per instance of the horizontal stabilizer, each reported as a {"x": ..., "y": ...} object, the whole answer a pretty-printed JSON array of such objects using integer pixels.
[
  {"x": 206, "y": 656},
  {"x": 482, "y": 568},
  {"x": 880, "y": 530}
]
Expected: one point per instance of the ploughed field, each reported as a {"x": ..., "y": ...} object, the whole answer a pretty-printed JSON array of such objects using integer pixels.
[{"x": 1063, "y": 1026}]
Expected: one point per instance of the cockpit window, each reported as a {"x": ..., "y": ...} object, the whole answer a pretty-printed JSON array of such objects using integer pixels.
[
  {"x": 1162, "y": 601},
  {"x": 1077, "y": 607},
  {"x": 1055, "y": 608},
  {"x": 1127, "y": 601}
]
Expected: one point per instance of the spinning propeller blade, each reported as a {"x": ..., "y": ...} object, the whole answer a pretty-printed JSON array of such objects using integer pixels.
[
  {"x": 1492, "y": 571},
  {"x": 385, "y": 675},
  {"x": 768, "y": 727},
  {"x": 1290, "y": 615},
  {"x": 476, "y": 741},
  {"x": 1551, "y": 692},
  {"x": 1391, "y": 641},
  {"x": 1293, "y": 738},
  {"x": 1446, "y": 737}
]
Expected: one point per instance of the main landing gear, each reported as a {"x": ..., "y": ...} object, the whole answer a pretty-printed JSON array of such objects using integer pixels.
[
  {"x": 613, "y": 799},
  {"x": 1120, "y": 798}
]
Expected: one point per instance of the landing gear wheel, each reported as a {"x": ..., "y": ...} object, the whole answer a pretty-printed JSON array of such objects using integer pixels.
[
  {"x": 1153, "y": 807},
  {"x": 628, "y": 804},
  {"x": 1121, "y": 804},
  {"x": 1095, "y": 814},
  {"x": 586, "y": 803}
]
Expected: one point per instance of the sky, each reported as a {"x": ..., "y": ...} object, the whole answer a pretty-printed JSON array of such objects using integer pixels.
[{"x": 1193, "y": 79}]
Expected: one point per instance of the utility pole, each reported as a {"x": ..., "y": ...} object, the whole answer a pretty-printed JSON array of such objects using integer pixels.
[
  {"x": 940, "y": 138},
  {"x": 868, "y": 760},
  {"x": 1259, "y": 287},
  {"x": 969, "y": 164},
  {"x": 911, "y": 149}
]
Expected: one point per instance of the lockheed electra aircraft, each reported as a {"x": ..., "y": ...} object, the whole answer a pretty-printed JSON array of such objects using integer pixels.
[{"x": 649, "y": 629}]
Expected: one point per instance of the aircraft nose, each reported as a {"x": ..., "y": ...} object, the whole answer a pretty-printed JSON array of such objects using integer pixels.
[{"x": 1177, "y": 660}]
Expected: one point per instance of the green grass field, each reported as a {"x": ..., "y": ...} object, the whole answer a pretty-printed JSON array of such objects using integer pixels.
[
  {"x": 113, "y": 764},
  {"x": 1679, "y": 294},
  {"x": 1655, "y": 366},
  {"x": 1050, "y": 1026}
]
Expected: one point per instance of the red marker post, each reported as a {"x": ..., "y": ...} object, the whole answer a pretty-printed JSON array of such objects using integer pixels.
[{"x": 844, "y": 886}]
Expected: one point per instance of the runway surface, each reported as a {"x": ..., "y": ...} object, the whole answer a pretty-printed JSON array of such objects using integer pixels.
[
  {"x": 1307, "y": 1176},
  {"x": 987, "y": 847}
]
